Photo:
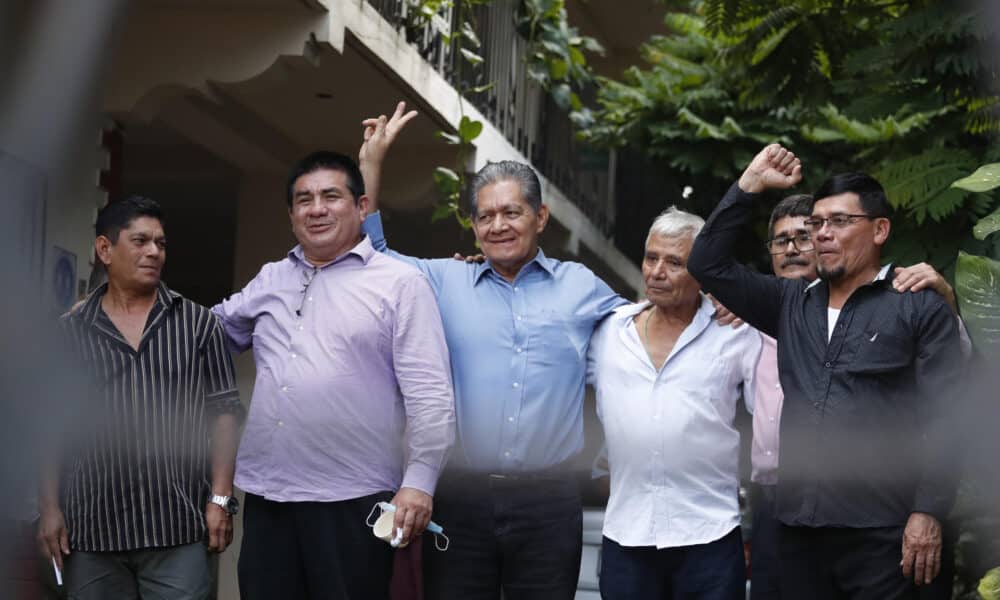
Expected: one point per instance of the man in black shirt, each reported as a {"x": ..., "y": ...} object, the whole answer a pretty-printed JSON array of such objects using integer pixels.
[
  {"x": 128, "y": 505},
  {"x": 867, "y": 471}
]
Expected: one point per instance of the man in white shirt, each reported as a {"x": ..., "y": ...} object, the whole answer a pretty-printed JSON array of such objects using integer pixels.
[{"x": 667, "y": 382}]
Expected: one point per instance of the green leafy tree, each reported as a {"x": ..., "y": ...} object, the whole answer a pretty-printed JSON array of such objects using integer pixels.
[{"x": 898, "y": 89}]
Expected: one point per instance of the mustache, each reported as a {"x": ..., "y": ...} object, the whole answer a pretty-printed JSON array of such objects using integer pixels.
[{"x": 794, "y": 260}]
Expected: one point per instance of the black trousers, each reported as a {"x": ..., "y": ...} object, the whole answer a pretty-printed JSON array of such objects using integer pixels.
[
  {"x": 521, "y": 535},
  {"x": 765, "y": 565},
  {"x": 830, "y": 563},
  {"x": 712, "y": 571},
  {"x": 312, "y": 550}
]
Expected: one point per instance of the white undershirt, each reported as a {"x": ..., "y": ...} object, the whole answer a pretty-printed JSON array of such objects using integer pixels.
[{"x": 831, "y": 321}]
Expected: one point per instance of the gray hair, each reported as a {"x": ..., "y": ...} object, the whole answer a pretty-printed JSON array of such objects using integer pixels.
[
  {"x": 674, "y": 222},
  {"x": 508, "y": 170}
]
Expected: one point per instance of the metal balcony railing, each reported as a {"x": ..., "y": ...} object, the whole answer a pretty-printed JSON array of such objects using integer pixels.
[{"x": 515, "y": 105}]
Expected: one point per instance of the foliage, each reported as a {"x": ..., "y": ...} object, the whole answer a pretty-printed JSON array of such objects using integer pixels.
[
  {"x": 898, "y": 89},
  {"x": 977, "y": 278},
  {"x": 555, "y": 59},
  {"x": 989, "y": 586}
]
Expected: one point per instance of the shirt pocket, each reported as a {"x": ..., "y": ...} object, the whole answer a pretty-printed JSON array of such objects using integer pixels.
[
  {"x": 557, "y": 339},
  {"x": 880, "y": 352}
]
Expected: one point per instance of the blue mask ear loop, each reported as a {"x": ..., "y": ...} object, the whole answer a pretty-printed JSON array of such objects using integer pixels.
[{"x": 432, "y": 527}]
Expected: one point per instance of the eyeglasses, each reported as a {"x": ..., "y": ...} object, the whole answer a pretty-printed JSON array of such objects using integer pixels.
[
  {"x": 309, "y": 276},
  {"x": 839, "y": 221},
  {"x": 803, "y": 243}
]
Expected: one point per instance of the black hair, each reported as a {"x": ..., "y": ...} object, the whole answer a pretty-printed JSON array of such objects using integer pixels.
[
  {"x": 327, "y": 160},
  {"x": 119, "y": 215},
  {"x": 870, "y": 192},
  {"x": 797, "y": 205}
]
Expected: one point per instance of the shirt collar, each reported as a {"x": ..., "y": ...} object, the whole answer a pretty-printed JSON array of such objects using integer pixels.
[
  {"x": 705, "y": 312},
  {"x": 547, "y": 264},
  {"x": 882, "y": 275},
  {"x": 91, "y": 308},
  {"x": 363, "y": 250}
]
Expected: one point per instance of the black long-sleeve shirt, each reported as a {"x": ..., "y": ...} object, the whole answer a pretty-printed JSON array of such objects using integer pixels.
[{"x": 866, "y": 435}]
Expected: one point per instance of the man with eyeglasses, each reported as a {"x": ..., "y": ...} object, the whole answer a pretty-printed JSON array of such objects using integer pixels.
[
  {"x": 793, "y": 256},
  {"x": 867, "y": 467},
  {"x": 352, "y": 404}
]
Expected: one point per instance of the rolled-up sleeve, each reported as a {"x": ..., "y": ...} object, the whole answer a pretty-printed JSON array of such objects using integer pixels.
[
  {"x": 420, "y": 359},
  {"x": 221, "y": 393}
]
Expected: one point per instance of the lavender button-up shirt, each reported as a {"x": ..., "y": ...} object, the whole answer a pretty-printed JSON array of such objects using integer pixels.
[{"x": 338, "y": 385}]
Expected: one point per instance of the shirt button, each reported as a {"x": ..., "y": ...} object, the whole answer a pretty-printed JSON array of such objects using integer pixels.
[
  {"x": 656, "y": 452},
  {"x": 281, "y": 424},
  {"x": 507, "y": 454},
  {"x": 815, "y": 404},
  {"x": 828, "y": 365},
  {"x": 519, "y": 350},
  {"x": 777, "y": 386},
  {"x": 520, "y": 318},
  {"x": 656, "y": 417},
  {"x": 768, "y": 453},
  {"x": 301, "y": 328},
  {"x": 510, "y": 419},
  {"x": 517, "y": 289},
  {"x": 310, "y": 298},
  {"x": 294, "y": 355},
  {"x": 517, "y": 385},
  {"x": 771, "y": 419},
  {"x": 284, "y": 388}
]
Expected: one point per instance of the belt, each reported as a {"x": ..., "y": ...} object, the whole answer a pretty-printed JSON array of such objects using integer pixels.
[{"x": 561, "y": 472}]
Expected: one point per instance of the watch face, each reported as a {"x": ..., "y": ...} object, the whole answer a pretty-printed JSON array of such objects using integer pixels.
[{"x": 233, "y": 506}]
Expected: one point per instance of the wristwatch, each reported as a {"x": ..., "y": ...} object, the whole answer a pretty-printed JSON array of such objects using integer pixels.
[{"x": 228, "y": 503}]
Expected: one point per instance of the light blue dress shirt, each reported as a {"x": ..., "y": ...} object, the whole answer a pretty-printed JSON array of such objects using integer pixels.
[{"x": 518, "y": 355}]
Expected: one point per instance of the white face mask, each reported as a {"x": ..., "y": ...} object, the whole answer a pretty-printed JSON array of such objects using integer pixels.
[{"x": 381, "y": 518}]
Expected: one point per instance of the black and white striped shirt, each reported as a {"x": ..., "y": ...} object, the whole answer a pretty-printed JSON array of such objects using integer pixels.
[{"x": 138, "y": 476}]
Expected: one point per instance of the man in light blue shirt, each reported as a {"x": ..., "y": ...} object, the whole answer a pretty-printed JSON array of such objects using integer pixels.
[{"x": 518, "y": 327}]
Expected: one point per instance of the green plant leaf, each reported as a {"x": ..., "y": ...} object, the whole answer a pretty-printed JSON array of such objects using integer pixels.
[
  {"x": 470, "y": 34},
  {"x": 446, "y": 180},
  {"x": 558, "y": 69},
  {"x": 468, "y": 129},
  {"x": 441, "y": 211},
  {"x": 562, "y": 95},
  {"x": 454, "y": 140},
  {"x": 471, "y": 57},
  {"x": 986, "y": 178},
  {"x": 987, "y": 225},
  {"x": 482, "y": 88},
  {"x": 977, "y": 286}
]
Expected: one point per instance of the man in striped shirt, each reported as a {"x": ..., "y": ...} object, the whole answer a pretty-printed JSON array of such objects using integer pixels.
[{"x": 135, "y": 492}]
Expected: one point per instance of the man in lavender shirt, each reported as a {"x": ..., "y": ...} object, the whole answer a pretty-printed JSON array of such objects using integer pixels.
[
  {"x": 350, "y": 354},
  {"x": 792, "y": 257}
]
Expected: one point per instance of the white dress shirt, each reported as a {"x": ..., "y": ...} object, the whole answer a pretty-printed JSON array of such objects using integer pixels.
[{"x": 673, "y": 450}]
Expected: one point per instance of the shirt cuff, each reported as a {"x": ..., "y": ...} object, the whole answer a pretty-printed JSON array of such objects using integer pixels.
[
  {"x": 225, "y": 403},
  {"x": 421, "y": 477}
]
